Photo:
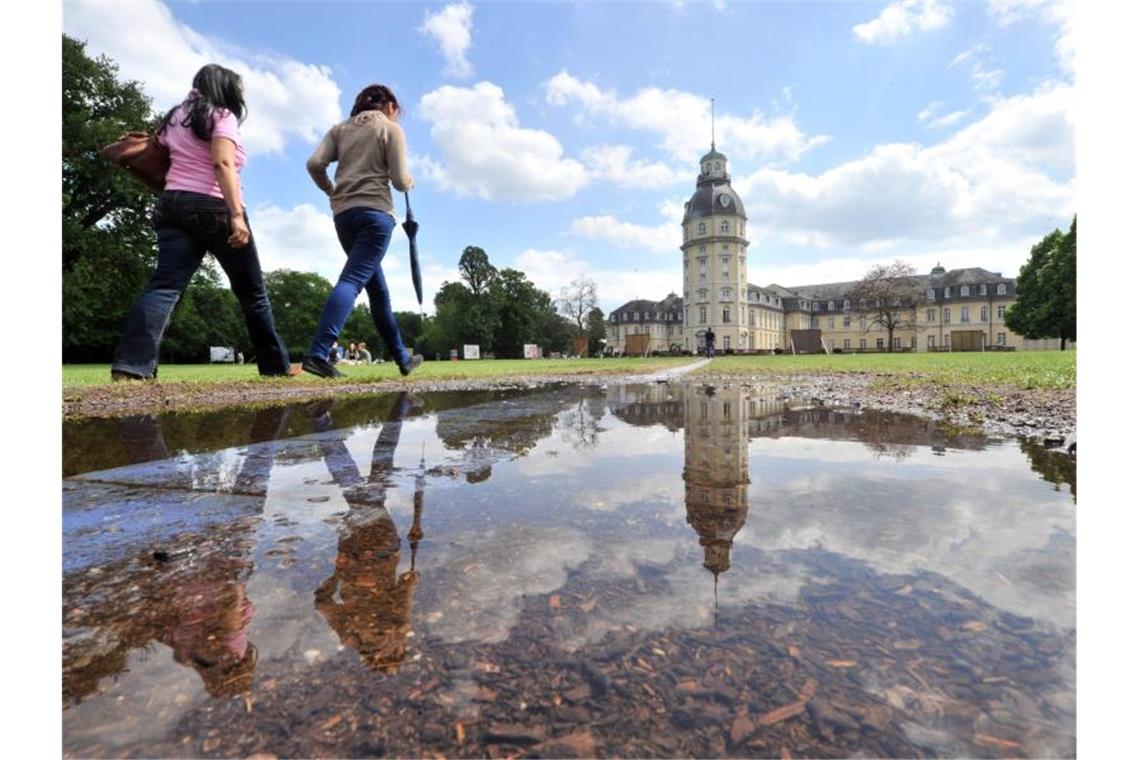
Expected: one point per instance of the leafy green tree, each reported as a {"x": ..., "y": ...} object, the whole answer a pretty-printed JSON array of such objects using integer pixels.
[
  {"x": 298, "y": 299},
  {"x": 1046, "y": 305},
  {"x": 596, "y": 329},
  {"x": 108, "y": 245}
]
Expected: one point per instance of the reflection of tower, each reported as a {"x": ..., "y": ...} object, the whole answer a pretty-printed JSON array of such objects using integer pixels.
[{"x": 716, "y": 469}]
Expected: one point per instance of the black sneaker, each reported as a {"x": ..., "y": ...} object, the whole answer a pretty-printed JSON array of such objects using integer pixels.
[
  {"x": 410, "y": 367},
  {"x": 320, "y": 367}
]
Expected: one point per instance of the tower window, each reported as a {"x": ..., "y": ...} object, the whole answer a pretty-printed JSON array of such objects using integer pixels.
[
  {"x": 724, "y": 227},
  {"x": 701, "y": 228}
]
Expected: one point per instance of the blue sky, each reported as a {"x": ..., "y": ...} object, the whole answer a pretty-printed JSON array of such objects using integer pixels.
[{"x": 564, "y": 138}]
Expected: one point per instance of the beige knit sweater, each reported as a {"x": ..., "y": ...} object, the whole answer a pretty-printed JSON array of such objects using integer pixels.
[{"x": 369, "y": 152}]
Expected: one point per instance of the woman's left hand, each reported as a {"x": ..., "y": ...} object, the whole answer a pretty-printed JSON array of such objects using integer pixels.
[{"x": 239, "y": 232}]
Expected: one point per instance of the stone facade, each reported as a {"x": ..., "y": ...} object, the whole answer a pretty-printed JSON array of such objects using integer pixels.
[{"x": 957, "y": 309}]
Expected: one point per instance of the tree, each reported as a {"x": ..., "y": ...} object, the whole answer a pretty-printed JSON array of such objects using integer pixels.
[
  {"x": 476, "y": 270},
  {"x": 1046, "y": 305},
  {"x": 596, "y": 329},
  {"x": 577, "y": 299},
  {"x": 108, "y": 244},
  {"x": 298, "y": 300},
  {"x": 886, "y": 292}
]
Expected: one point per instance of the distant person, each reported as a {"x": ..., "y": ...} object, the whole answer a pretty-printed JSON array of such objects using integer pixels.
[
  {"x": 710, "y": 343},
  {"x": 352, "y": 354},
  {"x": 201, "y": 210},
  {"x": 368, "y": 149},
  {"x": 363, "y": 354},
  {"x": 334, "y": 353}
]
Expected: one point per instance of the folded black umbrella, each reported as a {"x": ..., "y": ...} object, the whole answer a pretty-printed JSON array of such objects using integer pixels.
[{"x": 410, "y": 226}]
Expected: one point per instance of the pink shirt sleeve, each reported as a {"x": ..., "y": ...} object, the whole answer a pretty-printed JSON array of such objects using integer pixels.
[{"x": 226, "y": 125}]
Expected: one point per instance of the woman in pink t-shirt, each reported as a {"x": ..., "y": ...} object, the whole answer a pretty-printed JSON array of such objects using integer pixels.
[{"x": 201, "y": 210}]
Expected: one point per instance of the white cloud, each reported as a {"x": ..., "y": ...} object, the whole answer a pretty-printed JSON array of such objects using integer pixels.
[
  {"x": 928, "y": 116},
  {"x": 451, "y": 30},
  {"x": 949, "y": 119},
  {"x": 287, "y": 99},
  {"x": 612, "y": 163},
  {"x": 1061, "y": 15},
  {"x": 902, "y": 19},
  {"x": 984, "y": 78},
  {"x": 485, "y": 153},
  {"x": 552, "y": 269},
  {"x": 995, "y": 179},
  {"x": 663, "y": 238},
  {"x": 656, "y": 110}
]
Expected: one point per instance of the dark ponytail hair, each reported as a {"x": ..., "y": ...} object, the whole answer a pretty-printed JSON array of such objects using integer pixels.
[
  {"x": 214, "y": 87},
  {"x": 374, "y": 97}
]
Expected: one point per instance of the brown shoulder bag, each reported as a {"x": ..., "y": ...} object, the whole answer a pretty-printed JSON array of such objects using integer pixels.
[{"x": 142, "y": 156}]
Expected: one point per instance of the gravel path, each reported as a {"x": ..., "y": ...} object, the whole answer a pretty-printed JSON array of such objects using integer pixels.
[{"x": 1046, "y": 415}]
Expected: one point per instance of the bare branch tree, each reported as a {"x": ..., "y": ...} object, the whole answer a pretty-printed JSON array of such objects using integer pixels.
[
  {"x": 577, "y": 299},
  {"x": 886, "y": 294}
]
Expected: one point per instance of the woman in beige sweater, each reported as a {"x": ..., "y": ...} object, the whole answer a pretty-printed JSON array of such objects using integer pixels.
[{"x": 368, "y": 149}]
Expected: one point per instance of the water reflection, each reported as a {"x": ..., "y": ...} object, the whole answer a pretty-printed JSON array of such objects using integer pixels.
[
  {"x": 879, "y": 586},
  {"x": 187, "y": 593},
  {"x": 367, "y": 601}
]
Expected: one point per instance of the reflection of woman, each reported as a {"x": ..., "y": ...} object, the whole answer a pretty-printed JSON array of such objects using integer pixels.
[
  {"x": 374, "y": 611},
  {"x": 201, "y": 210},
  {"x": 367, "y": 601},
  {"x": 210, "y": 634},
  {"x": 368, "y": 150}
]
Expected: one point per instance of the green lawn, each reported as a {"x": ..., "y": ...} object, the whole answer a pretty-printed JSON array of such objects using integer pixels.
[
  {"x": 98, "y": 374},
  {"x": 1019, "y": 369}
]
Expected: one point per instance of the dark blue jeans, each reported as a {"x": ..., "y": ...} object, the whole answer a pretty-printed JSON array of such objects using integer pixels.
[
  {"x": 188, "y": 225},
  {"x": 364, "y": 234}
]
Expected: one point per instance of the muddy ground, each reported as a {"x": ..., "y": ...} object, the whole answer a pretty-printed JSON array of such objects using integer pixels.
[{"x": 1048, "y": 416}]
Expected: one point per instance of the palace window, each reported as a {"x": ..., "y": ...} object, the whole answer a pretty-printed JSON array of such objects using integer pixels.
[
  {"x": 982, "y": 290},
  {"x": 897, "y": 342},
  {"x": 724, "y": 261},
  {"x": 1001, "y": 339},
  {"x": 879, "y": 343},
  {"x": 1001, "y": 312},
  {"x": 831, "y": 323},
  {"x": 930, "y": 315},
  {"x": 946, "y": 340},
  {"x": 1001, "y": 289},
  {"x": 847, "y": 321},
  {"x": 701, "y": 229},
  {"x": 945, "y": 293},
  {"x": 965, "y": 313},
  {"x": 725, "y": 293},
  {"x": 862, "y": 344},
  {"x": 831, "y": 305},
  {"x": 702, "y": 278},
  {"x": 704, "y": 316},
  {"x": 751, "y": 319},
  {"x": 985, "y": 314},
  {"x": 724, "y": 317},
  {"x": 846, "y": 344},
  {"x": 847, "y": 305},
  {"x": 930, "y": 341},
  {"x": 965, "y": 290},
  {"x": 930, "y": 294},
  {"x": 862, "y": 323},
  {"x": 703, "y": 294},
  {"x": 946, "y": 315},
  {"x": 724, "y": 227}
]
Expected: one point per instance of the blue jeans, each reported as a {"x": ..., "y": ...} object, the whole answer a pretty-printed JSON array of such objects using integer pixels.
[
  {"x": 188, "y": 225},
  {"x": 364, "y": 234}
]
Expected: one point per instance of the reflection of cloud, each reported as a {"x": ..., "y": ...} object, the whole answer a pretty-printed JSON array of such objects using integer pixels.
[
  {"x": 489, "y": 572},
  {"x": 992, "y": 532}
]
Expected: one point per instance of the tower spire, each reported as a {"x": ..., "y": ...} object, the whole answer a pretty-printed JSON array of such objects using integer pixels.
[{"x": 713, "y": 101}]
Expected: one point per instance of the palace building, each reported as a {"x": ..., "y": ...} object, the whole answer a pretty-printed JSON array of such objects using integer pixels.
[{"x": 949, "y": 310}]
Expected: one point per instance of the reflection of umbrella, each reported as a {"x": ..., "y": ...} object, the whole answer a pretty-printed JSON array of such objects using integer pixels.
[{"x": 410, "y": 226}]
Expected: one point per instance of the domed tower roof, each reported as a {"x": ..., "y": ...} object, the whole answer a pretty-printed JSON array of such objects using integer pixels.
[
  {"x": 938, "y": 270},
  {"x": 714, "y": 194}
]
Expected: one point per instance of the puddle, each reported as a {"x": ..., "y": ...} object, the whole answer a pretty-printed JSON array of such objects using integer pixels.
[{"x": 658, "y": 570}]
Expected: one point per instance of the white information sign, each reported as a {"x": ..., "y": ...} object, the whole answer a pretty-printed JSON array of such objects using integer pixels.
[
  {"x": 531, "y": 351},
  {"x": 470, "y": 352},
  {"x": 219, "y": 354}
]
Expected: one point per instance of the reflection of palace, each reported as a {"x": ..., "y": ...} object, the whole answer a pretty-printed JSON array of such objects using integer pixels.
[{"x": 716, "y": 469}]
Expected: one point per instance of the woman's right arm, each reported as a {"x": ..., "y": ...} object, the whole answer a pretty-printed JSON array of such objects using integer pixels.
[
  {"x": 397, "y": 160},
  {"x": 222, "y": 151},
  {"x": 318, "y": 163}
]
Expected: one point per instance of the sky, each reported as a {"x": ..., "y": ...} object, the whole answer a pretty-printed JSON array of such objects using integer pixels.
[{"x": 564, "y": 138}]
